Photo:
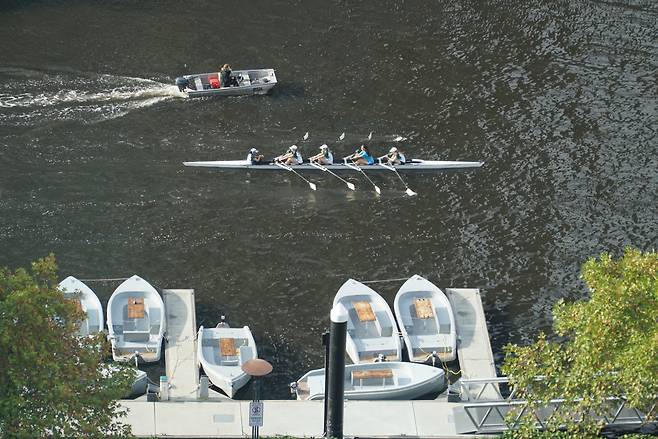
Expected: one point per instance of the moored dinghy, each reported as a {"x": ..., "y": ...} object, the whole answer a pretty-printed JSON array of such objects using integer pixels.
[
  {"x": 87, "y": 301},
  {"x": 426, "y": 321},
  {"x": 136, "y": 321},
  {"x": 222, "y": 351},
  {"x": 387, "y": 380},
  {"x": 371, "y": 328}
]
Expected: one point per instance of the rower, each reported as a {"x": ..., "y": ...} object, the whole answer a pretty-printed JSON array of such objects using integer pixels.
[
  {"x": 394, "y": 157},
  {"x": 291, "y": 157},
  {"x": 362, "y": 157},
  {"x": 325, "y": 157},
  {"x": 255, "y": 157}
]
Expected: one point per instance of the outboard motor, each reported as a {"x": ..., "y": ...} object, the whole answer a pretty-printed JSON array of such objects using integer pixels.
[{"x": 181, "y": 83}]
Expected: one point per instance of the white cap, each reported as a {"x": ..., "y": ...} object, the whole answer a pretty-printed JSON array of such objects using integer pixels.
[
  {"x": 338, "y": 313},
  {"x": 394, "y": 149},
  {"x": 293, "y": 148},
  {"x": 324, "y": 146},
  {"x": 253, "y": 150}
]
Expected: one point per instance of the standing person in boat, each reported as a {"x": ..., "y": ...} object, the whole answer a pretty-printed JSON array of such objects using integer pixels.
[
  {"x": 225, "y": 76},
  {"x": 362, "y": 157},
  {"x": 325, "y": 157},
  {"x": 395, "y": 157},
  {"x": 291, "y": 157},
  {"x": 255, "y": 157}
]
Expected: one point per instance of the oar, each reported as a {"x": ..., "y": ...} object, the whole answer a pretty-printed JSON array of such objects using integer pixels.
[
  {"x": 370, "y": 136},
  {"x": 342, "y": 136},
  {"x": 305, "y": 135},
  {"x": 358, "y": 168},
  {"x": 288, "y": 168},
  {"x": 325, "y": 169},
  {"x": 392, "y": 168}
]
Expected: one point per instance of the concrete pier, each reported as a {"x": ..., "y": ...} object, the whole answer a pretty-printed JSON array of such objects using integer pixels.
[
  {"x": 473, "y": 344},
  {"x": 180, "y": 347}
]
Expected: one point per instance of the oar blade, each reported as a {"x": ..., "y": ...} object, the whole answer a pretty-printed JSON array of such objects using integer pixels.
[
  {"x": 313, "y": 186},
  {"x": 411, "y": 193},
  {"x": 370, "y": 136},
  {"x": 379, "y": 191},
  {"x": 351, "y": 186},
  {"x": 305, "y": 135},
  {"x": 342, "y": 136}
]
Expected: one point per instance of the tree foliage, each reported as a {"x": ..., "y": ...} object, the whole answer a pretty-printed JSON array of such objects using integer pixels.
[
  {"x": 607, "y": 346},
  {"x": 52, "y": 383}
]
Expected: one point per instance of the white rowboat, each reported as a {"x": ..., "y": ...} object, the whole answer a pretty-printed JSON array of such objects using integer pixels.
[
  {"x": 413, "y": 165},
  {"x": 222, "y": 351},
  {"x": 88, "y": 302},
  {"x": 136, "y": 321},
  {"x": 371, "y": 328},
  {"x": 426, "y": 321},
  {"x": 249, "y": 82},
  {"x": 387, "y": 380}
]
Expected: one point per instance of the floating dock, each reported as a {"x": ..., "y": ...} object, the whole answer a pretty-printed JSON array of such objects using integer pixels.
[{"x": 185, "y": 415}]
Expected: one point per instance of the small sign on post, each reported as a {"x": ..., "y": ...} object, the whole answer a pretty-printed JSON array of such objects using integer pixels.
[{"x": 256, "y": 414}]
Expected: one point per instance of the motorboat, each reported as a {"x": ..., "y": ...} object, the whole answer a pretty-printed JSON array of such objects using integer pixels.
[
  {"x": 426, "y": 320},
  {"x": 87, "y": 301},
  {"x": 136, "y": 321},
  {"x": 372, "y": 334},
  {"x": 368, "y": 381},
  {"x": 221, "y": 352},
  {"x": 244, "y": 82}
]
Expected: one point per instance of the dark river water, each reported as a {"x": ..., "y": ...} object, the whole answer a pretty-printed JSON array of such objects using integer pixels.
[{"x": 558, "y": 98}]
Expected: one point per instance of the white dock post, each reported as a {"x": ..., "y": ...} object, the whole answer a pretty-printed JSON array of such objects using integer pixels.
[{"x": 180, "y": 348}]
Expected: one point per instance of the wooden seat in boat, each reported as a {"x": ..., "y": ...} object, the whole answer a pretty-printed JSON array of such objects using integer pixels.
[
  {"x": 136, "y": 308},
  {"x": 227, "y": 347},
  {"x": 378, "y": 373},
  {"x": 364, "y": 311},
  {"x": 424, "y": 309}
]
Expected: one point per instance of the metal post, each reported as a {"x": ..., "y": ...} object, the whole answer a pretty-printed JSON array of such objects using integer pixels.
[
  {"x": 254, "y": 429},
  {"x": 325, "y": 343},
  {"x": 335, "y": 376}
]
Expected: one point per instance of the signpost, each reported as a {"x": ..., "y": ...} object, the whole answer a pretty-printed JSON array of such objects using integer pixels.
[
  {"x": 256, "y": 368},
  {"x": 256, "y": 414}
]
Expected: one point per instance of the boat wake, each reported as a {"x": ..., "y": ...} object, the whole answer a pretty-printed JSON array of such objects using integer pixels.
[{"x": 29, "y": 98}]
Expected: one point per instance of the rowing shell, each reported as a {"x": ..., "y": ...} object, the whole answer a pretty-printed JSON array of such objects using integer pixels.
[{"x": 414, "y": 165}]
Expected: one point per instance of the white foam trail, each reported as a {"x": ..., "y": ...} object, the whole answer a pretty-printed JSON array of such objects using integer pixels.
[{"x": 35, "y": 96}]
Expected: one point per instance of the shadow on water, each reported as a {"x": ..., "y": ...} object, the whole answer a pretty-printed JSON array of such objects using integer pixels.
[{"x": 289, "y": 89}]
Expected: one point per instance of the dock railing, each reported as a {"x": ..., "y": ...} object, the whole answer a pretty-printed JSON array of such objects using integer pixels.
[{"x": 488, "y": 415}]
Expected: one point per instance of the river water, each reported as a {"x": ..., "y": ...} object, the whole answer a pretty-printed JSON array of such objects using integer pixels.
[{"x": 559, "y": 99}]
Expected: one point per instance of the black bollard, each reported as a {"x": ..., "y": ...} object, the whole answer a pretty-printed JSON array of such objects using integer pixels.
[
  {"x": 325, "y": 343},
  {"x": 335, "y": 376}
]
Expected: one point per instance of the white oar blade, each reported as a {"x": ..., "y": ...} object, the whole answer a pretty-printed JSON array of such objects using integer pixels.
[
  {"x": 370, "y": 136},
  {"x": 313, "y": 186},
  {"x": 379, "y": 191},
  {"x": 305, "y": 135},
  {"x": 411, "y": 193},
  {"x": 351, "y": 186},
  {"x": 342, "y": 136}
]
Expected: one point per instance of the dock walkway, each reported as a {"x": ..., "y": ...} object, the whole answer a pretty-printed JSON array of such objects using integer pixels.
[{"x": 180, "y": 349}]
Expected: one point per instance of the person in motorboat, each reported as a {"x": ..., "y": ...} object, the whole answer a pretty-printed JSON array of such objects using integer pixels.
[
  {"x": 362, "y": 157},
  {"x": 394, "y": 157},
  {"x": 325, "y": 157},
  {"x": 225, "y": 76},
  {"x": 255, "y": 157},
  {"x": 291, "y": 157}
]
